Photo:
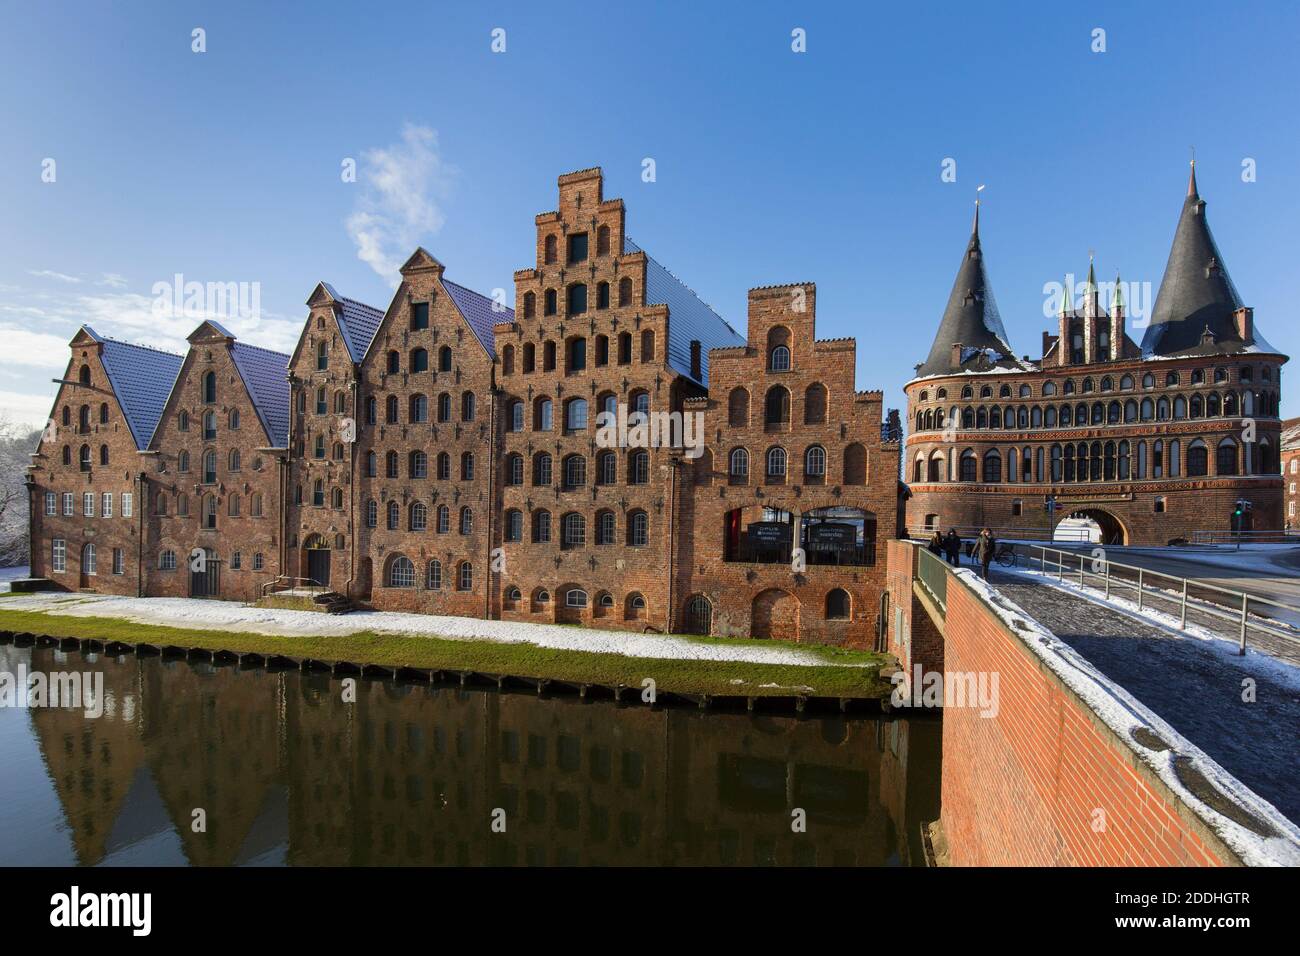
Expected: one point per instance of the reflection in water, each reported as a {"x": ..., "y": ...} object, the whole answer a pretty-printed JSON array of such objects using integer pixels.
[{"x": 286, "y": 772}]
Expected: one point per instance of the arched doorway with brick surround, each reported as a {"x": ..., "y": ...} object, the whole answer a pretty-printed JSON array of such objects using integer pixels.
[
  {"x": 1112, "y": 529},
  {"x": 316, "y": 560},
  {"x": 775, "y": 614}
]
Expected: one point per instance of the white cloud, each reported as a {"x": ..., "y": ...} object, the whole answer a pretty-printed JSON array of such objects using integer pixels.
[
  {"x": 51, "y": 274},
  {"x": 112, "y": 280},
  {"x": 26, "y": 409},
  {"x": 401, "y": 188},
  {"x": 33, "y": 349}
]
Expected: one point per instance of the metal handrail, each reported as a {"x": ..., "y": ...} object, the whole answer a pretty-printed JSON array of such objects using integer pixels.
[
  {"x": 922, "y": 533},
  {"x": 1279, "y": 536},
  {"x": 932, "y": 572},
  {"x": 279, "y": 584},
  {"x": 1103, "y": 571}
]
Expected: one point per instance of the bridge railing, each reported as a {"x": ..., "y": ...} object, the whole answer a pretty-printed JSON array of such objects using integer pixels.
[
  {"x": 971, "y": 531},
  {"x": 932, "y": 572},
  {"x": 1243, "y": 612},
  {"x": 1283, "y": 536}
]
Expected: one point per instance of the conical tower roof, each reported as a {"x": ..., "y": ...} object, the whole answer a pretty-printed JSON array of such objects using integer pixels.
[
  {"x": 1196, "y": 293},
  {"x": 971, "y": 318}
]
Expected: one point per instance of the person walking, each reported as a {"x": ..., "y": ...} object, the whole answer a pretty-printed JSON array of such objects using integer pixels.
[
  {"x": 985, "y": 547},
  {"x": 952, "y": 544},
  {"x": 936, "y": 543}
]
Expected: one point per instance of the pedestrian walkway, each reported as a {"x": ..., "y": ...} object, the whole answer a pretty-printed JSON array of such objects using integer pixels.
[{"x": 1196, "y": 686}]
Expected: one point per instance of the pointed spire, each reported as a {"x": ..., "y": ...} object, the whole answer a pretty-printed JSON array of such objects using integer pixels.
[
  {"x": 1196, "y": 295},
  {"x": 1191, "y": 180},
  {"x": 1117, "y": 299},
  {"x": 1067, "y": 298},
  {"x": 971, "y": 317}
]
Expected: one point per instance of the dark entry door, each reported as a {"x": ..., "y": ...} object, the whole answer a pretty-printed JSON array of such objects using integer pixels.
[
  {"x": 206, "y": 583},
  {"x": 318, "y": 566}
]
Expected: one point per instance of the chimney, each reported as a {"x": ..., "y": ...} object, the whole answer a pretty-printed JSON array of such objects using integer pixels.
[
  {"x": 1243, "y": 321},
  {"x": 956, "y": 354}
]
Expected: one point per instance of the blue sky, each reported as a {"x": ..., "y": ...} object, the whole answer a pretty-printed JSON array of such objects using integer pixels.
[{"x": 771, "y": 166}]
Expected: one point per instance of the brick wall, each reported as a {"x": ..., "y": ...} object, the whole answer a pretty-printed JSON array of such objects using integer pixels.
[
  {"x": 1187, "y": 503},
  {"x": 1024, "y": 787},
  {"x": 804, "y": 403},
  {"x": 245, "y": 485},
  {"x": 102, "y": 431}
]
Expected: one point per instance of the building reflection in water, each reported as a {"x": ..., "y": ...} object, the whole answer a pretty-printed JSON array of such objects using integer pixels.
[{"x": 287, "y": 772}]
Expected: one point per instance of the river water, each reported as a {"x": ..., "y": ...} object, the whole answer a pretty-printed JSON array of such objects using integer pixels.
[{"x": 197, "y": 764}]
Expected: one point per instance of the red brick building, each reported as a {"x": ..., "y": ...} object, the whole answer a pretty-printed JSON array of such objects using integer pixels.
[
  {"x": 796, "y": 494},
  {"x": 1291, "y": 473},
  {"x": 566, "y": 461},
  {"x": 215, "y": 469},
  {"x": 1151, "y": 441},
  {"x": 88, "y": 480}
]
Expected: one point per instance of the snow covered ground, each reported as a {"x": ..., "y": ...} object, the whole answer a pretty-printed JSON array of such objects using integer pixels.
[
  {"x": 1201, "y": 641},
  {"x": 233, "y": 616}
]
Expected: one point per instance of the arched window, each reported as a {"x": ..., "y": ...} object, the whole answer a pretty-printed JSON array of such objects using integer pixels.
[
  {"x": 573, "y": 531},
  {"x": 465, "y": 577},
  {"x": 814, "y": 464},
  {"x": 575, "y": 414},
  {"x": 419, "y": 517},
  {"x": 605, "y": 527},
  {"x": 444, "y": 359},
  {"x": 209, "y": 516},
  {"x": 550, "y": 247},
  {"x": 992, "y": 467},
  {"x": 372, "y": 513},
  {"x": 433, "y": 575},
  {"x": 738, "y": 408},
  {"x": 514, "y": 525},
  {"x": 638, "y": 529},
  {"x": 625, "y": 291},
  {"x": 530, "y": 307},
  {"x": 838, "y": 605},
  {"x": 647, "y": 345},
  {"x": 419, "y": 360},
  {"x": 444, "y": 407},
  {"x": 777, "y": 406},
  {"x": 418, "y": 465},
  {"x": 969, "y": 466},
  {"x": 575, "y": 471},
  {"x": 814, "y": 404},
  {"x": 606, "y": 468},
  {"x": 541, "y": 526},
  {"x": 467, "y": 466},
  {"x": 394, "y": 513},
  {"x": 855, "y": 464},
  {"x": 541, "y": 469},
  {"x": 419, "y": 411},
  {"x": 209, "y": 388},
  {"x": 542, "y": 415},
  {"x": 638, "y": 467},
  {"x": 776, "y": 464},
  {"x": 508, "y": 360},
  {"x": 401, "y": 572},
  {"x": 467, "y": 520},
  {"x": 576, "y": 298},
  {"x": 779, "y": 360},
  {"x": 1226, "y": 458},
  {"x": 739, "y": 466},
  {"x": 549, "y": 299}
]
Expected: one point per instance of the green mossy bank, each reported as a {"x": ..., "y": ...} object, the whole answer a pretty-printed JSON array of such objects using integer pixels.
[{"x": 842, "y": 673}]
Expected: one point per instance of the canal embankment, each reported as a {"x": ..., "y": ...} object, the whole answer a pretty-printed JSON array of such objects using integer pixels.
[{"x": 554, "y": 658}]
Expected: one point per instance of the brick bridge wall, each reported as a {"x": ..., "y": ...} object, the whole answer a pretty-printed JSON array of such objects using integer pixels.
[{"x": 1023, "y": 788}]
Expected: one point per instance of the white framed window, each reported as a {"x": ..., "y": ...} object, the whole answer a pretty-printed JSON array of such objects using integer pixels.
[
  {"x": 257, "y": 561},
  {"x": 106, "y": 504},
  {"x": 51, "y": 503},
  {"x": 89, "y": 563},
  {"x": 167, "y": 560},
  {"x": 88, "y": 504},
  {"x": 575, "y": 598},
  {"x": 59, "y": 555},
  {"x": 67, "y": 504},
  {"x": 128, "y": 503}
]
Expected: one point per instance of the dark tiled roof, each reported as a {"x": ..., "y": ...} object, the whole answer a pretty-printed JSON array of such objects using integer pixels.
[
  {"x": 689, "y": 318},
  {"x": 970, "y": 318},
  {"x": 358, "y": 321},
  {"x": 1196, "y": 293},
  {"x": 265, "y": 375},
  {"x": 479, "y": 312},
  {"x": 142, "y": 378}
]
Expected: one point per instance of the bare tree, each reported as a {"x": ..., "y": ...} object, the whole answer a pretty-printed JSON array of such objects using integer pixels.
[{"x": 16, "y": 446}]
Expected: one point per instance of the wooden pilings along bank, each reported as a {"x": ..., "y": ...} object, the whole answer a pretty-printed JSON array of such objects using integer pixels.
[{"x": 621, "y": 694}]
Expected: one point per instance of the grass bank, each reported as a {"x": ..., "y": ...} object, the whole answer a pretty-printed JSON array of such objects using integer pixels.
[{"x": 844, "y": 674}]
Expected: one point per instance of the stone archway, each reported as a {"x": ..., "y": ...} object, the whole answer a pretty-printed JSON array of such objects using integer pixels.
[
  {"x": 775, "y": 614},
  {"x": 1111, "y": 529}
]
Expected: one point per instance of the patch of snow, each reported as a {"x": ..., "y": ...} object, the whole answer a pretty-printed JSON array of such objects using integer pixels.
[
  {"x": 1124, "y": 713},
  {"x": 233, "y": 616},
  {"x": 10, "y": 574}
]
